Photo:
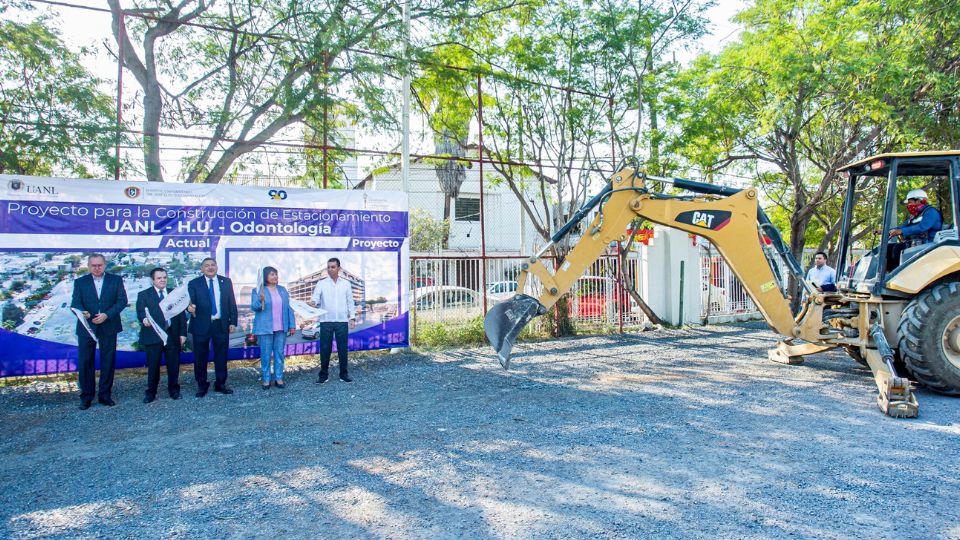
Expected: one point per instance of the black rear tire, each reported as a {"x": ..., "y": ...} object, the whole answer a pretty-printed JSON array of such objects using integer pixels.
[{"x": 929, "y": 338}]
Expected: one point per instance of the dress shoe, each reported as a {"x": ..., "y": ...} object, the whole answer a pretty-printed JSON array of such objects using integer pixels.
[
  {"x": 225, "y": 390},
  {"x": 346, "y": 378},
  {"x": 265, "y": 386},
  {"x": 280, "y": 385},
  {"x": 84, "y": 405},
  {"x": 149, "y": 399},
  {"x": 106, "y": 401},
  {"x": 201, "y": 393},
  {"x": 322, "y": 379},
  {"x": 175, "y": 395}
]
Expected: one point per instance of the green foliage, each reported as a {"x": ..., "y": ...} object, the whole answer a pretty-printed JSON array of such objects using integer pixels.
[
  {"x": 467, "y": 334},
  {"x": 426, "y": 233},
  {"x": 13, "y": 314},
  {"x": 811, "y": 85},
  {"x": 55, "y": 119}
]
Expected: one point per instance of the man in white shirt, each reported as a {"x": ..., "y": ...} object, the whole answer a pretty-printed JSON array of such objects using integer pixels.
[
  {"x": 822, "y": 275},
  {"x": 335, "y": 295}
]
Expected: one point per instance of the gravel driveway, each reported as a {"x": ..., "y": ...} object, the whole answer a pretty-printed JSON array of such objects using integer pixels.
[{"x": 671, "y": 433}]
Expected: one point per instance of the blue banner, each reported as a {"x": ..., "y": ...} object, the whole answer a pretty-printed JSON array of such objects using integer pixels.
[{"x": 49, "y": 227}]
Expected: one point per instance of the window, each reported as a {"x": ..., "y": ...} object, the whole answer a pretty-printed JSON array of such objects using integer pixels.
[{"x": 467, "y": 209}]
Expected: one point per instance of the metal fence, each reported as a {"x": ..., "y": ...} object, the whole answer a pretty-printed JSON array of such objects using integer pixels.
[{"x": 457, "y": 291}]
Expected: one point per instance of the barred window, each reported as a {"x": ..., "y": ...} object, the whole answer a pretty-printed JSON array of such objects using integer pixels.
[{"x": 467, "y": 209}]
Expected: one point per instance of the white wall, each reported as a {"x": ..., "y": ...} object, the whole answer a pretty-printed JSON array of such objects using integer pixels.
[
  {"x": 508, "y": 229},
  {"x": 661, "y": 267}
]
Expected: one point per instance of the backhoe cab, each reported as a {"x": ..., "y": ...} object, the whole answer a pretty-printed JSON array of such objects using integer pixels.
[{"x": 897, "y": 303}]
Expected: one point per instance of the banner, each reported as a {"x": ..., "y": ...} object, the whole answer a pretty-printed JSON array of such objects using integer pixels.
[{"x": 49, "y": 226}]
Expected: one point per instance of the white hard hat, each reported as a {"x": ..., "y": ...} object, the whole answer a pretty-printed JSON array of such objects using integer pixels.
[{"x": 916, "y": 194}]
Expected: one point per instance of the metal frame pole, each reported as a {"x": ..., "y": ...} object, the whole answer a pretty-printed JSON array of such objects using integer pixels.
[
  {"x": 326, "y": 120},
  {"x": 122, "y": 27},
  {"x": 483, "y": 230}
]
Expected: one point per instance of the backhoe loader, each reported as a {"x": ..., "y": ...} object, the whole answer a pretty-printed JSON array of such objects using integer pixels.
[{"x": 896, "y": 308}]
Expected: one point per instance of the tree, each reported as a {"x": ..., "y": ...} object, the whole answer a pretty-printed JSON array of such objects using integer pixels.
[
  {"x": 637, "y": 43},
  {"x": 263, "y": 66},
  {"x": 810, "y": 86},
  {"x": 53, "y": 118},
  {"x": 426, "y": 233},
  {"x": 448, "y": 97},
  {"x": 12, "y": 313}
]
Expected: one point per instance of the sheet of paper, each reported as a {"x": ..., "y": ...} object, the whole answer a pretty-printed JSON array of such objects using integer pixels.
[
  {"x": 156, "y": 327},
  {"x": 86, "y": 324},
  {"x": 306, "y": 311},
  {"x": 175, "y": 302}
]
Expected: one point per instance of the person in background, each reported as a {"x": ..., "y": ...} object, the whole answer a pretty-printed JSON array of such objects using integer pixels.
[
  {"x": 101, "y": 297},
  {"x": 214, "y": 310},
  {"x": 176, "y": 329},
  {"x": 335, "y": 295},
  {"x": 273, "y": 321},
  {"x": 822, "y": 275},
  {"x": 925, "y": 221}
]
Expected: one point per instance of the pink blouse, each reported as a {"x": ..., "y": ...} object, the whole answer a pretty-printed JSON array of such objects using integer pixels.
[{"x": 276, "y": 303}]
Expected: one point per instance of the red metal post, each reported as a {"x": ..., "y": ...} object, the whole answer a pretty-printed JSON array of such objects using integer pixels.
[
  {"x": 483, "y": 230},
  {"x": 622, "y": 301},
  {"x": 122, "y": 26}
]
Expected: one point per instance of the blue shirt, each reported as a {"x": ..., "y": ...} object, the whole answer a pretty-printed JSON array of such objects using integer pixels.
[
  {"x": 822, "y": 276},
  {"x": 925, "y": 225}
]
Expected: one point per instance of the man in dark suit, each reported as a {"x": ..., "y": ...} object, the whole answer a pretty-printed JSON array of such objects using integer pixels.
[
  {"x": 101, "y": 297},
  {"x": 214, "y": 311},
  {"x": 148, "y": 301}
]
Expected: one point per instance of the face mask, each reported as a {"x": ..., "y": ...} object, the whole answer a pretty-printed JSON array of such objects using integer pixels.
[{"x": 914, "y": 208}]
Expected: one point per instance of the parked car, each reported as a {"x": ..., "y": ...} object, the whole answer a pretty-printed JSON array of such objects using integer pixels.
[
  {"x": 449, "y": 302},
  {"x": 311, "y": 332},
  {"x": 501, "y": 290},
  {"x": 594, "y": 296},
  {"x": 500, "y": 287}
]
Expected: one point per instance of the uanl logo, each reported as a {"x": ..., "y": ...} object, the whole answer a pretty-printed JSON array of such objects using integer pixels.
[
  {"x": 132, "y": 192},
  {"x": 708, "y": 219},
  {"x": 277, "y": 194},
  {"x": 19, "y": 185}
]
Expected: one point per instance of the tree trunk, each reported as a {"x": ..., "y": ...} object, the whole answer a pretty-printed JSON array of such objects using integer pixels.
[
  {"x": 447, "y": 199},
  {"x": 152, "y": 106}
]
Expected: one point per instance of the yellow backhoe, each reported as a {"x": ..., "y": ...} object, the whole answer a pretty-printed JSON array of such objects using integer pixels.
[{"x": 896, "y": 305}]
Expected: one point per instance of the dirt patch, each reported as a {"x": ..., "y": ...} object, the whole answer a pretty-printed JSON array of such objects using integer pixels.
[{"x": 673, "y": 433}]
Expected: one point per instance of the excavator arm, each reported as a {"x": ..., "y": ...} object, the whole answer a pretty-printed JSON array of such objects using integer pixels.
[
  {"x": 734, "y": 223},
  {"x": 729, "y": 222}
]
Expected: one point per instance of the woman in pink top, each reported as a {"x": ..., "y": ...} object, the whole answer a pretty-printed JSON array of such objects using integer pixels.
[{"x": 273, "y": 321}]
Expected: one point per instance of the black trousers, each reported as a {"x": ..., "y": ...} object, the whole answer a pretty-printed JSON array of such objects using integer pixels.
[
  {"x": 86, "y": 364},
  {"x": 220, "y": 338},
  {"x": 329, "y": 331},
  {"x": 171, "y": 353}
]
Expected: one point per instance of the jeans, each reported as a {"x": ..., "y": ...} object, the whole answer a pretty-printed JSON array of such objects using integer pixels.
[{"x": 272, "y": 343}]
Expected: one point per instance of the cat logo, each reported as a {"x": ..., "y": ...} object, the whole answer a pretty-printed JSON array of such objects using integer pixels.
[
  {"x": 702, "y": 219},
  {"x": 707, "y": 219}
]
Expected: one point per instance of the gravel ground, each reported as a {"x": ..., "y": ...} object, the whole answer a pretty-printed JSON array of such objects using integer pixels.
[{"x": 671, "y": 433}]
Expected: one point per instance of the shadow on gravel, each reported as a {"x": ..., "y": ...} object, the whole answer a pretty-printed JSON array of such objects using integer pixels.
[{"x": 671, "y": 434}]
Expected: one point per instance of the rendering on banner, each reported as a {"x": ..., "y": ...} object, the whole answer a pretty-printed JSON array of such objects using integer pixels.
[{"x": 49, "y": 228}]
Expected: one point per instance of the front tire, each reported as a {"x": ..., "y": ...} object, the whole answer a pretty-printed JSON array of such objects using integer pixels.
[{"x": 929, "y": 338}]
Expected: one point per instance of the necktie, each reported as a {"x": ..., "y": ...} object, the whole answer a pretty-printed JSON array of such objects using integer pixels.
[
  {"x": 213, "y": 298},
  {"x": 161, "y": 308}
]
